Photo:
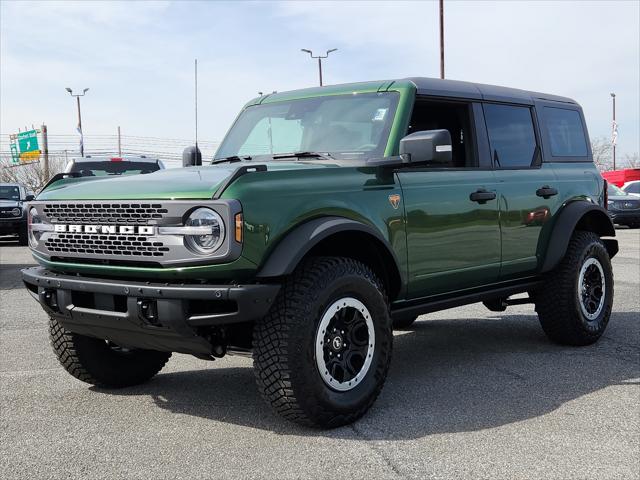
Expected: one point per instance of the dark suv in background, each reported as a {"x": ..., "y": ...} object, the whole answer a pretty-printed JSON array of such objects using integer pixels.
[{"x": 13, "y": 214}]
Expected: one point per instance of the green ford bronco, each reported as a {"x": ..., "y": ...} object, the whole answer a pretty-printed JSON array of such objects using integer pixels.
[{"x": 328, "y": 217}]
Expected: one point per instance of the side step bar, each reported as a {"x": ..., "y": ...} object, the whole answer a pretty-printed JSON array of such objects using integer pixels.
[{"x": 443, "y": 302}]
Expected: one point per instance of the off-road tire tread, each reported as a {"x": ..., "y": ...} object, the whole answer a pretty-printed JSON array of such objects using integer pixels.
[
  {"x": 64, "y": 345},
  {"x": 271, "y": 341},
  {"x": 555, "y": 301}
]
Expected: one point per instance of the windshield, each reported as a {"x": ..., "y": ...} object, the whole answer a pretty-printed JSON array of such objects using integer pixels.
[
  {"x": 344, "y": 126},
  {"x": 8, "y": 192},
  {"x": 613, "y": 190},
  {"x": 103, "y": 169}
]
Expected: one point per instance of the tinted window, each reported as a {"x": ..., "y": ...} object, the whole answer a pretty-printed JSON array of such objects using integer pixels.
[
  {"x": 510, "y": 129},
  {"x": 101, "y": 169},
  {"x": 566, "y": 134},
  {"x": 633, "y": 188},
  {"x": 454, "y": 117},
  {"x": 8, "y": 192}
]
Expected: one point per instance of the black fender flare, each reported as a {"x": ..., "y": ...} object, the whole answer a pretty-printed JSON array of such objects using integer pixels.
[
  {"x": 298, "y": 242},
  {"x": 566, "y": 222}
]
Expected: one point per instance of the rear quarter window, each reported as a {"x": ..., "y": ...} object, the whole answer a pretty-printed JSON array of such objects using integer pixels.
[{"x": 565, "y": 132}]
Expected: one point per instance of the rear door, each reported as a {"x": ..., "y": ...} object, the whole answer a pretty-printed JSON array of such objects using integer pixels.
[
  {"x": 453, "y": 232},
  {"x": 528, "y": 189}
]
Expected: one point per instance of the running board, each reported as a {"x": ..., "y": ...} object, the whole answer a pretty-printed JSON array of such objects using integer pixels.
[{"x": 443, "y": 302}]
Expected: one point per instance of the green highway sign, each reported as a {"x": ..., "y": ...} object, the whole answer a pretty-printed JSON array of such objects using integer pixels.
[
  {"x": 28, "y": 144},
  {"x": 15, "y": 156}
]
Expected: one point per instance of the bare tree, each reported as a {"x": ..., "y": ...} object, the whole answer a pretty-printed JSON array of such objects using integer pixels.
[
  {"x": 631, "y": 160},
  {"x": 31, "y": 175},
  {"x": 601, "y": 149}
]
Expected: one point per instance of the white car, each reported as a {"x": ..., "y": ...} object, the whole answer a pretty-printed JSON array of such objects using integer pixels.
[{"x": 632, "y": 188}]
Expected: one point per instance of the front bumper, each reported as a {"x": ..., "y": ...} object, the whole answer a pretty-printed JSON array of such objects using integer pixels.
[
  {"x": 12, "y": 226},
  {"x": 622, "y": 217},
  {"x": 156, "y": 316}
]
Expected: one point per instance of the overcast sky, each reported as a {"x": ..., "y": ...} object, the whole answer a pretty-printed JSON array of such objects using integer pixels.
[{"x": 137, "y": 57}]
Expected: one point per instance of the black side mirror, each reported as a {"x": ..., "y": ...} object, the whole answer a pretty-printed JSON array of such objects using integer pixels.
[
  {"x": 429, "y": 146},
  {"x": 29, "y": 197},
  {"x": 191, "y": 156}
]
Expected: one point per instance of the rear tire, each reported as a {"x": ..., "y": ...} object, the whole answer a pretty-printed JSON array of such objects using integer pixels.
[
  {"x": 574, "y": 305},
  {"x": 322, "y": 353},
  {"x": 102, "y": 364}
]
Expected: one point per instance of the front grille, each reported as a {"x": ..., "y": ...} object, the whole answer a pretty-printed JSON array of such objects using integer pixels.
[
  {"x": 104, "y": 213},
  {"x": 6, "y": 212},
  {"x": 627, "y": 204},
  {"x": 91, "y": 231},
  {"x": 111, "y": 245}
]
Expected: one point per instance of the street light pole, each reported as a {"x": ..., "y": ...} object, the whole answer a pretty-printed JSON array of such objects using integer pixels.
[
  {"x": 442, "y": 39},
  {"x": 77, "y": 96},
  {"x": 614, "y": 130},
  {"x": 319, "y": 57}
]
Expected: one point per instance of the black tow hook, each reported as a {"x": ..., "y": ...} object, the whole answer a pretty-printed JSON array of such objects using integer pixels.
[
  {"x": 50, "y": 298},
  {"x": 148, "y": 311}
]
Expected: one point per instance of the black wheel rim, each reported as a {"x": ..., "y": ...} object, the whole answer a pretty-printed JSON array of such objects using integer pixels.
[
  {"x": 345, "y": 342},
  {"x": 591, "y": 288}
]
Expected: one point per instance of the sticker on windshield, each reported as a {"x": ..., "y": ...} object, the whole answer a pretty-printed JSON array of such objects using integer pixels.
[{"x": 380, "y": 114}]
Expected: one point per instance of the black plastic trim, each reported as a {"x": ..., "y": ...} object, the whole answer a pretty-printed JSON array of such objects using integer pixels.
[
  {"x": 237, "y": 173},
  {"x": 565, "y": 224},
  {"x": 295, "y": 245},
  {"x": 445, "y": 301},
  {"x": 175, "y": 329}
]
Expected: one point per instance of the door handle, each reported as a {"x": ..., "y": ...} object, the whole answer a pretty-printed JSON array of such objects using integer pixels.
[
  {"x": 482, "y": 196},
  {"x": 546, "y": 192}
]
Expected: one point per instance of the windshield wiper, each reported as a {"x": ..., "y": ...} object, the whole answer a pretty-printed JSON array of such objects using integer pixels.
[
  {"x": 231, "y": 159},
  {"x": 324, "y": 156}
]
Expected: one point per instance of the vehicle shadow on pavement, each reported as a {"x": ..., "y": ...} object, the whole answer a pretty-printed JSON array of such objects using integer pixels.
[
  {"x": 446, "y": 376},
  {"x": 10, "y": 276}
]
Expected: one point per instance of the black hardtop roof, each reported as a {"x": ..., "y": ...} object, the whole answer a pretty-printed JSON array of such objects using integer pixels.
[{"x": 456, "y": 88}]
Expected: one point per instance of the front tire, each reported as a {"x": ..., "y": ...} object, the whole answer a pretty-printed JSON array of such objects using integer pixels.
[
  {"x": 23, "y": 238},
  {"x": 575, "y": 303},
  {"x": 322, "y": 353},
  {"x": 101, "y": 363}
]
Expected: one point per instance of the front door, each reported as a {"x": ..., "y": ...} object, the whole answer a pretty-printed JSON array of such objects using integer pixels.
[
  {"x": 453, "y": 242},
  {"x": 452, "y": 217}
]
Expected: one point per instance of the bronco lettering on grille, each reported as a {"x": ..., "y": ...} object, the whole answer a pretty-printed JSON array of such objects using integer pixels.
[{"x": 106, "y": 229}]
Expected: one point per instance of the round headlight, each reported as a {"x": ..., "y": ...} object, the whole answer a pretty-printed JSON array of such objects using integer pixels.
[
  {"x": 16, "y": 212},
  {"x": 213, "y": 232},
  {"x": 32, "y": 219}
]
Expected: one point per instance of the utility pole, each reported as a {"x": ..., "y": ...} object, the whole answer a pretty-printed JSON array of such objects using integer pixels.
[
  {"x": 119, "y": 143},
  {"x": 195, "y": 77},
  {"x": 45, "y": 151},
  {"x": 614, "y": 130},
  {"x": 77, "y": 96},
  {"x": 442, "y": 39},
  {"x": 319, "y": 57}
]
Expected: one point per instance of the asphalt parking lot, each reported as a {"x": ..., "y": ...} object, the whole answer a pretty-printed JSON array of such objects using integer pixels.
[{"x": 471, "y": 394}]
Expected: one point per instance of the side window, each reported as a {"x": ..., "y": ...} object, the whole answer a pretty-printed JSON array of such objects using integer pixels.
[
  {"x": 566, "y": 135},
  {"x": 511, "y": 135},
  {"x": 455, "y": 117}
]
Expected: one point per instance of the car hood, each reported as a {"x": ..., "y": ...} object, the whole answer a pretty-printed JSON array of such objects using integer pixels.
[
  {"x": 624, "y": 198},
  {"x": 9, "y": 203},
  {"x": 169, "y": 184}
]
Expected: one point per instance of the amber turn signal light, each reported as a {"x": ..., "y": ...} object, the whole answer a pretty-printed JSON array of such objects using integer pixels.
[{"x": 239, "y": 227}]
